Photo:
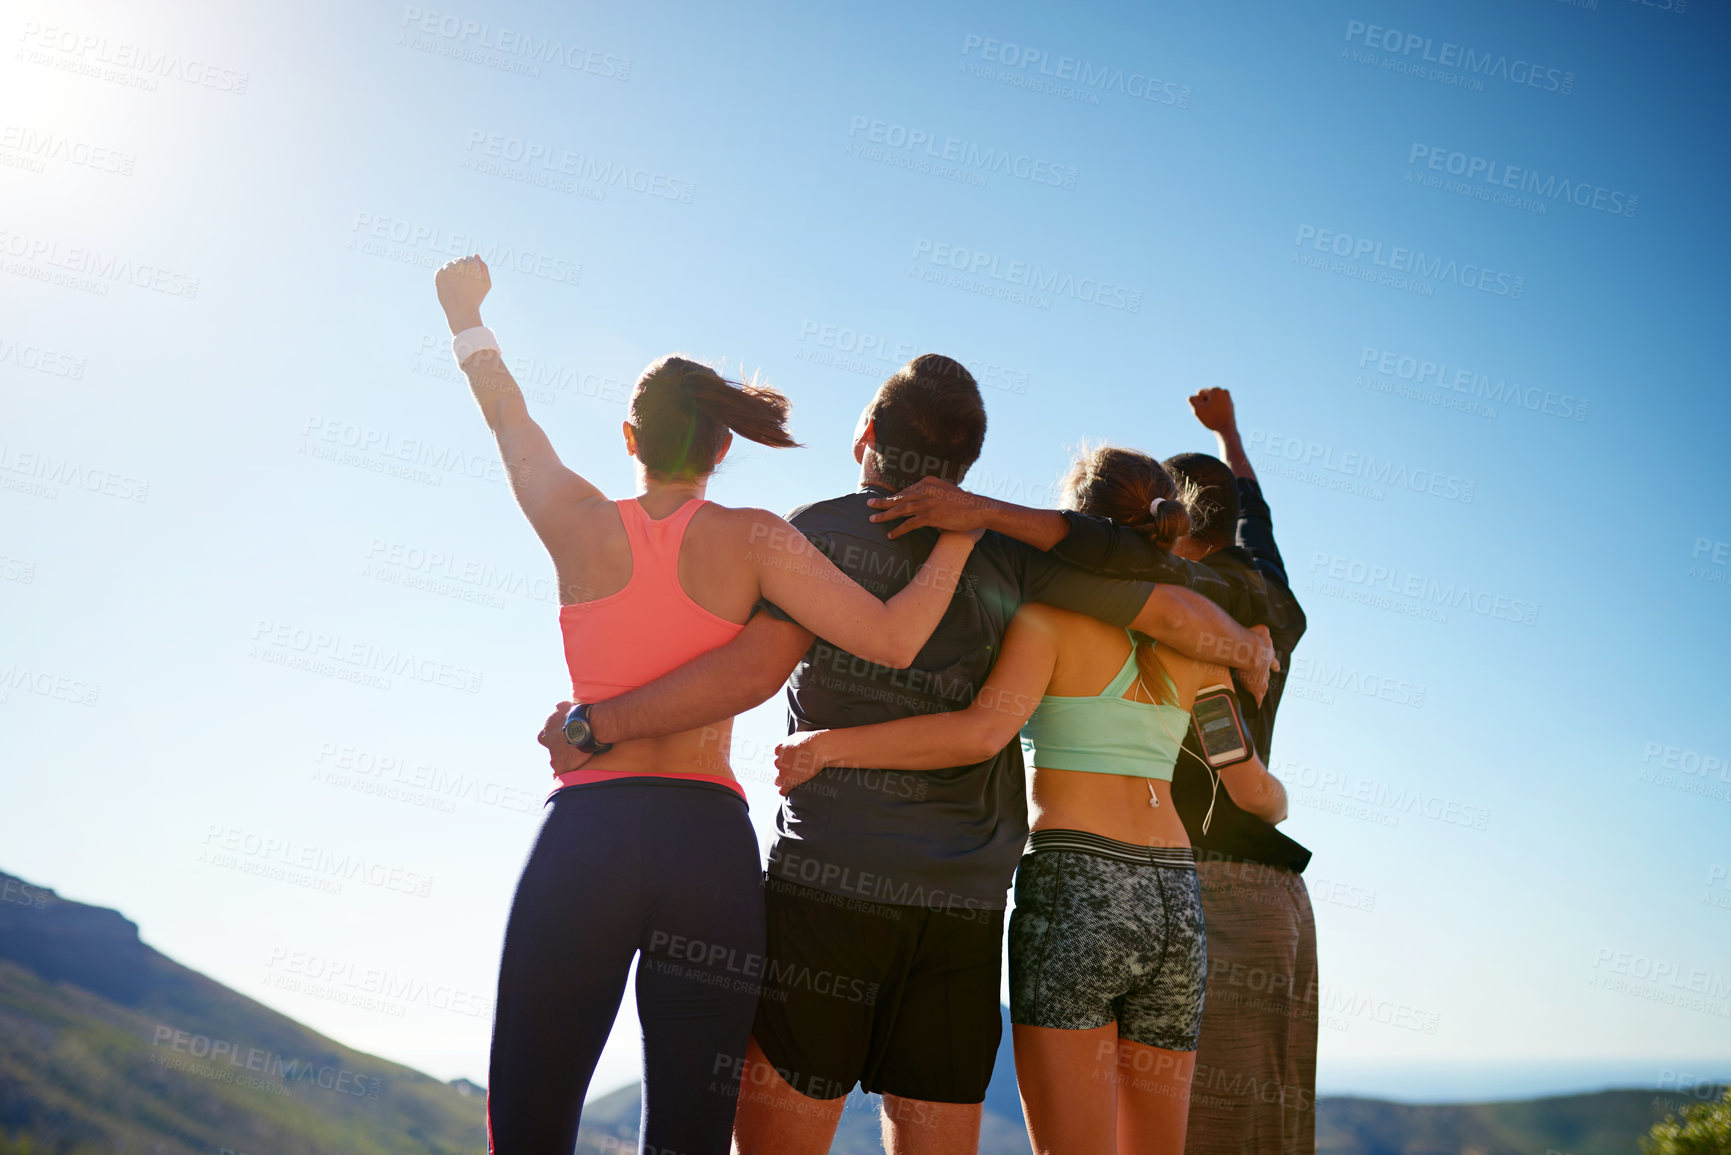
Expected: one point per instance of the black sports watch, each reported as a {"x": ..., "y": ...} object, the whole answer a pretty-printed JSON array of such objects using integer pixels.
[{"x": 580, "y": 732}]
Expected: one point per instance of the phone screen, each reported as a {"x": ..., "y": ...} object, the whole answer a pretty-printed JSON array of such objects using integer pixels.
[{"x": 1218, "y": 728}]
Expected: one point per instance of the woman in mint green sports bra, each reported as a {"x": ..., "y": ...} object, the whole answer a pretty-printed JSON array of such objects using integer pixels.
[{"x": 1107, "y": 956}]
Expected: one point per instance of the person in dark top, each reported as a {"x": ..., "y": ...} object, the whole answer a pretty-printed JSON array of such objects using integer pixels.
[
  {"x": 886, "y": 890},
  {"x": 1255, "y": 1084},
  {"x": 1233, "y": 532}
]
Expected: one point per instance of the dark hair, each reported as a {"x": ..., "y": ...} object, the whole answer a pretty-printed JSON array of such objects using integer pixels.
[
  {"x": 1214, "y": 512},
  {"x": 927, "y": 419},
  {"x": 682, "y": 412},
  {"x": 1133, "y": 490}
]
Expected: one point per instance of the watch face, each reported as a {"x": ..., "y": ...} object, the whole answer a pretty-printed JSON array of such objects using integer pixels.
[{"x": 577, "y": 731}]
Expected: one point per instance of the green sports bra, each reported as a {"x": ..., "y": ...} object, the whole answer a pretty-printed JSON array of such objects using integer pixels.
[{"x": 1107, "y": 733}]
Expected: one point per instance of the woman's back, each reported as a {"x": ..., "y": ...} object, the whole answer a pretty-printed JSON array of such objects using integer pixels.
[
  {"x": 1115, "y": 797},
  {"x": 592, "y": 551},
  {"x": 650, "y": 583}
]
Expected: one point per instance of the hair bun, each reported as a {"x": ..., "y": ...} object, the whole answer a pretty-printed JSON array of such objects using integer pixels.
[{"x": 1168, "y": 521}]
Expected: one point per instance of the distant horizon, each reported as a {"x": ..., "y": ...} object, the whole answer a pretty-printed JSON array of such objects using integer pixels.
[{"x": 1531, "y": 1079}]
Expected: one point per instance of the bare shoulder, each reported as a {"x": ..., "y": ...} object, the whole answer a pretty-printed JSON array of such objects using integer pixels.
[
  {"x": 1088, "y": 651},
  {"x": 747, "y": 523},
  {"x": 591, "y": 513},
  {"x": 1067, "y": 625},
  {"x": 731, "y": 535},
  {"x": 1040, "y": 618},
  {"x": 1033, "y": 631}
]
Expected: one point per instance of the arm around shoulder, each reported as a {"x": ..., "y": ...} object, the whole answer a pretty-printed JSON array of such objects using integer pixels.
[
  {"x": 938, "y": 741},
  {"x": 795, "y": 575}
]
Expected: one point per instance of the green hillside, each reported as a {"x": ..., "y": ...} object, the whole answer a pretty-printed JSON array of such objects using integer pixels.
[
  {"x": 108, "y": 1046},
  {"x": 1602, "y": 1123}
]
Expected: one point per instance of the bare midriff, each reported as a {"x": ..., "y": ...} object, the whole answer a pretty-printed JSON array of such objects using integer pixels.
[{"x": 1113, "y": 805}]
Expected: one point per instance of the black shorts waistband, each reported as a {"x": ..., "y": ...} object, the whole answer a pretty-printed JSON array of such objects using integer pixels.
[{"x": 1084, "y": 842}]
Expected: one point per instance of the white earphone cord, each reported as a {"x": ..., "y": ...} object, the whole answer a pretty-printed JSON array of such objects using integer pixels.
[{"x": 1212, "y": 772}]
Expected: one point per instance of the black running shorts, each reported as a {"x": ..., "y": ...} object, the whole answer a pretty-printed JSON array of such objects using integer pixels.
[{"x": 899, "y": 999}]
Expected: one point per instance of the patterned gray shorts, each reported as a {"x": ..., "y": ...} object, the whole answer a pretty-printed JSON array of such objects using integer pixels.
[{"x": 1108, "y": 931}]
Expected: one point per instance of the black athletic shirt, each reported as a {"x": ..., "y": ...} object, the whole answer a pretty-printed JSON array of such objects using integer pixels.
[
  {"x": 940, "y": 839},
  {"x": 1233, "y": 834}
]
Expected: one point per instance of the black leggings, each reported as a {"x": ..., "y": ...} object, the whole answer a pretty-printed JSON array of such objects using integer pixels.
[{"x": 662, "y": 866}]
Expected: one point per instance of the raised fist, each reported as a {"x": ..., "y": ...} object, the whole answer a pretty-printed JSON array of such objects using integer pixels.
[
  {"x": 1213, "y": 407},
  {"x": 462, "y": 284}
]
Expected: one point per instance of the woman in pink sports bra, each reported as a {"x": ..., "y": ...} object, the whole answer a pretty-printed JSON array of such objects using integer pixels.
[{"x": 648, "y": 849}]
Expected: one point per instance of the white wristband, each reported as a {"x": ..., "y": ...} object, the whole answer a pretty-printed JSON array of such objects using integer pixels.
[{"x": 471, "y": 341}]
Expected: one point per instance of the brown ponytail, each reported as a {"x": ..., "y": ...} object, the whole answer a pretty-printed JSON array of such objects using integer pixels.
[
  {"x": 1125, "y": 485},
  {"x": 682, "y": 412},
  {"x": 1133, "y": 490},
  {"x": 1168, "y": 520}
]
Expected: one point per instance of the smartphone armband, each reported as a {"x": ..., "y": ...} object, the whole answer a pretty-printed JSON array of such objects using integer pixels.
[{"x": 1219, "y": 727}]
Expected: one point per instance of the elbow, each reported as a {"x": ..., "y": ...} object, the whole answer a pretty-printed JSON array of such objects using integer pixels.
[
  {"x": 1273, "y": 809},
  {"x": 983, "y": 741},
  {"x": 1165, "y": 614},
  {"x": 988, "y": 727},
  {"x": 771, "y": 672},
  {"x": 1170, "y": 622},
  {"x": 896, "y": 653},
  {"x": 764, "y": 686},
  {"x": 1260, "y": 797},
  {"x": 1270, "y": 803}
]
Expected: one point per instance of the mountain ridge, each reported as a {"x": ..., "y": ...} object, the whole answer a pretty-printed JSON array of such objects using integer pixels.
[{"x": 108, "y": 1045}]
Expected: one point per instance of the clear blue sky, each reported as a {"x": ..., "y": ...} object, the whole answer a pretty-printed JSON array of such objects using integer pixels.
[{"x": 1493, "y": 437}]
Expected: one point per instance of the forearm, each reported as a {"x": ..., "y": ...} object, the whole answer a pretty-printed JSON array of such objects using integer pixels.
[
  {"x": 1197, "y": 628},
  {"x": 1110, "y": 550},
  {"x": 1255, "y": 531},
  {"x": 1232, "y": 451},
  {"x": 895, "y": 632},
  {"x": 686, "y": 699},
  {"x": 1041, "y": 528},
  {"x": 925, "y": 742},
  {"x": 495, "y": 391},
  {"x": 539, "y": 480},
  {"x": 1254, "y": 790},
  {"x": 711, "y": 688}
]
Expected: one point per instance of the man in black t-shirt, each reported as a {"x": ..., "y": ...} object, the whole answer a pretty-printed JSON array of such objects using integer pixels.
[{"x": 886, "y": 889}]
